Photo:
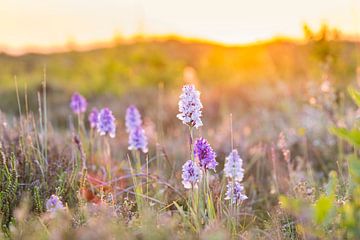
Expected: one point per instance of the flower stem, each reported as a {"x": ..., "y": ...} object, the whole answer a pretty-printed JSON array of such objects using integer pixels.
[
  {"x": 191, "y": 137},
  {"x": 107, "y": 157}
]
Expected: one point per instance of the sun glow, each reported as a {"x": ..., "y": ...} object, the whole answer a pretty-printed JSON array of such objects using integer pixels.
[{"x": 51, "y": 24}]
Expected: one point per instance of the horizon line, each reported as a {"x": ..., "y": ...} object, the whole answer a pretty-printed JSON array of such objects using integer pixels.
[{"x": 73, "y": 46}]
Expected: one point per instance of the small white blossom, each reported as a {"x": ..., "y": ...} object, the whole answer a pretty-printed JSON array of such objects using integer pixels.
[
  {"x": 191, "y": 174},
  {"x": 233, "y": 167},
  {"x": 190, "y": 107},
  {"x": 54, "y": 204},
  {"x": 235, "y": 193}
]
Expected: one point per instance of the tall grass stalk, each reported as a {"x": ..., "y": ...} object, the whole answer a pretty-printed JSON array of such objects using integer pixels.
[
  {"x": 233, "y": 212},
  {"x": 136, "y": 156},
  {"x": 195, "y": 199},
  {"x": 45, "y": 117},
  {"x": 160, "y": 128},
  {"x": 107, "y": 157}
]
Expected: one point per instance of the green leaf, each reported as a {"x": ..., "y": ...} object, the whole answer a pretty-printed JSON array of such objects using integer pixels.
[
  {"x": 333, "y": 183},
  {"x": 351, "y": 136},
  {"x": 211, "y": 208},
  {"x": 355, "y": 95},
  {"x": 323, "y": 209},
  {"x": 291, "y": 205},
  {"x": 354, "y": 167},
  {"x": 184, "y": 216},
  {"x": 348, "y": 215}
]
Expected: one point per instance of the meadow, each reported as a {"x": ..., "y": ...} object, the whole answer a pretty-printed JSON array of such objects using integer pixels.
[{"x": 181, "y": 139}]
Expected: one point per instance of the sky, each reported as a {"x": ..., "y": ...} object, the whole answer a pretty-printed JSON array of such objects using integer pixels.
[{"x": 26, "y": 24}]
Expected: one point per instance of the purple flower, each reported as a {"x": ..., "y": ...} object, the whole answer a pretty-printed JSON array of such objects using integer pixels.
[
  {"x": 132, "y": 118},
  {"x": 106, "y": 123},
  {"x": 233, "y": 166},
  {"x": 94, "y": 118},
  {"x": 190, "y": 107},
  {"x": 54, "y": 203},
  {"x": 235, "y": 193},
  {"x": 191, "y": 174},
  {"x": 205, "y": 154},
  {"x": 138, "y": 140},
  {"x": 78, "y": 103}
]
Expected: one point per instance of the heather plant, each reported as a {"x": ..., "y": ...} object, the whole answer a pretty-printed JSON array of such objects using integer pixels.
[
  {"x": 33, "y": 166},
  {"x": 334, "y": 213},
  {"x": 9, "y": 190}
]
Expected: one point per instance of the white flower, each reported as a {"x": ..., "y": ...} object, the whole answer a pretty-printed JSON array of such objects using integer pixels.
[
  {"x": 233, "y": 167},
  {"x": 190, "y": 107},
  {"x": 235, "y": 193},
  {"x": 191, "y": 174},
  {"x": 54, "y": 204}
]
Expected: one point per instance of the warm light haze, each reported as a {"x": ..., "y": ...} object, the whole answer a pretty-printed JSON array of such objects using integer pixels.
[{"x": 26, "y": 25}]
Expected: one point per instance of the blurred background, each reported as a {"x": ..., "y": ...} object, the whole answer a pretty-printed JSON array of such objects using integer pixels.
[{"x": 277, "y": 66}]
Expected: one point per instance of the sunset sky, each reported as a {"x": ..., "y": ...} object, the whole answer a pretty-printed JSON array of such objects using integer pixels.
[{"x": 26, "y": 23}]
